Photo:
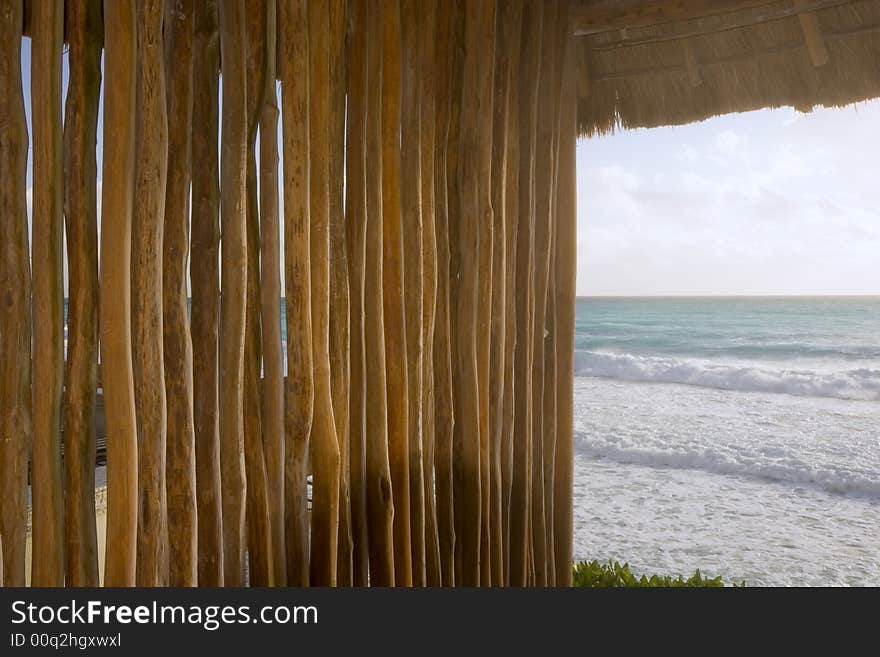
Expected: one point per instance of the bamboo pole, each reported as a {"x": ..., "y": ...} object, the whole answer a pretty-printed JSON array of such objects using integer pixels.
[
  {"x": 48, "y": 321},
  {"x": 393, "y": 296},
  {"x": 474, "y": 178},
  {"x": 120, "y": 51},
  {"x": 299, "y": 386},
  {"x": 355, "y": 242},
  {"x": 257, "y": 495},
  {"x": 340, "y": 379},
  {"x": 181, "y": 470},
  {"x": 233, "y": 159},
  {"x": 205, "y": 276},
  {"x": 522, "y": 438},
  {"x": 511, "y": 213},
  {"x": 377, "y": 481},
  {"x": 442, "y": 353},
  {"x": 270, "y": 254},
  {"x": 509, "y": 17},
  {"x": 86, "y": 35},
  {"x": 413, "y": 283},
  {"x": 325, "y": 455},
  {"x": 151, "y": 161},
  {"x": 566, "y": 277},
  {"x": 429, "y": 97},
  {"x": 16, "y": 430}
]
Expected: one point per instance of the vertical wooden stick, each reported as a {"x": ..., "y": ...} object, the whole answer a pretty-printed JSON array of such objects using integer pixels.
[
  {"x": 233, "y": 159},
  {"x": 355, "y": 242},
  {"x": 393, "y": 296},
  {"x": 442, "y": 353},
  {"x": 151, "y": 161},
  {"x": 413, "y": 284},
  {"x": 48, "y": 498},
  {"x": 270, "y": 255},
  {"x": 429, "y": 92},
  {"x": 16, "y": 430},
  {"x": 86, "y": 34},
  {"x": 120, "y": 51},
  {"x": 205, "y": 276},
  {"x": 378, "y": 487},
  {"x": 522, "y": 436},
  {"x": 339, "y": 292},
  {"x": 299, "y": 387},
  {"x": 181, "y": 467},
  {"x": 257, "y": 495},
  {"x": 325, "y": 446}
]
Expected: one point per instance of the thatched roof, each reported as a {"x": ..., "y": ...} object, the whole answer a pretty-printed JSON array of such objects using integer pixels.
[{"x": 646, "y": 64}]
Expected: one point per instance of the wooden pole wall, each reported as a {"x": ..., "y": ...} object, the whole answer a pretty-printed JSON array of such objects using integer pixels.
[{"x": 422, "y": 295}]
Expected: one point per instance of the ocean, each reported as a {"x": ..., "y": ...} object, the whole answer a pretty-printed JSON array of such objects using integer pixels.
[{"x": 740, "y": 436}]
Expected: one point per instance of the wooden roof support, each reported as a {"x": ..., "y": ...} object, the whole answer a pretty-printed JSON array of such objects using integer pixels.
[
  {"x": 690, "y": 62},
  {"x": 813, "y": 39}
]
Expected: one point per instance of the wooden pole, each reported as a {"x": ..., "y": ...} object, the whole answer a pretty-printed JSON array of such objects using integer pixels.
[
  {"x": 377, "y": 480},
  {"x": 233, "y": 159},
  {"x": 566, "y": 278},
  {"x": 393, "y": 295},
  {"x": 413, "y": 284},
  {"x": 511, "y": 222},
  {"x": 340, "y": 379},
  {"x": 270, "y": 260},
  {"x": 120, "y": 51},
  {"x": 257, "y": 495},
  {"x": 522, "y": 439},
  {"x": 355, "y": 242},
  {"x": 299, "y": 386},
  {"x": 48, "y": 175},
  {"x": 509, "y": 18},
  {"x": 442, "y": 353},
  {"x": 205, "y": 277},
  {"x": 181, "y": 467},
  {"x": 543, "y": 236},
  {"x": 151, "y": 161},
  {"x": 474, "y": 177},
  {"x": 429, "y": 96},
  {"x": 16, "y": 430},
  {"x": 86, "y": 35},
  {"x": 325, "y": 446}
]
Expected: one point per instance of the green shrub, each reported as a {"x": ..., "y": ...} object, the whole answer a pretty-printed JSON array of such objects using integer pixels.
[{"x": 613, "y": 574}]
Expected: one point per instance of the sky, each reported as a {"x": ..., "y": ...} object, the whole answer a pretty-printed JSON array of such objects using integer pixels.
[{"x": 773, "y": 202}]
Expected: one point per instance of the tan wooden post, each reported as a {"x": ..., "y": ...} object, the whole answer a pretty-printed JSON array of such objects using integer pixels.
[
  {"x": 16, "y": 430},
  {"x": 233, "y": 158},
  {"x": 325, "y": 456},
  {"x": 181, "y": 470},
  {"x": 48, "y": 321},
  {"x": 380, "y": 503},
  {"x": 86, "y": 37},
  {"x": 120, "y": 52},
  {"x": 205, "y": 277}
]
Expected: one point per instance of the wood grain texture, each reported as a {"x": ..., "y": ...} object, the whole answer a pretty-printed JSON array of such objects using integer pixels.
[
  {"x": 270, "y": 304},
  {"x": 205, "y": 277},
  {"x": 47, "y": 563},
  {"x": 520, "y": 502},
  {"x": 325, "y": 455},
  {"x": 377, "y": 478},
  {"x": 120, "y": 51},
  {"x": 411, "y": 217},
  {"x": 151, "y": 162},
  {"x": 233, "y": 159},
  {"x": 355, "y": 243},
  {"x": 16, "y": 428},
  {"x": 178, "y": 356},
  {"x": 393, "y": 296},
  {"x": 86, "y": 35},
  {"x": 299, "y": 386}
]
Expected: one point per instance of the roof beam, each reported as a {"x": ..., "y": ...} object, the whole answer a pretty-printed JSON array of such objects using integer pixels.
[{"x": 610, "y": 15}]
